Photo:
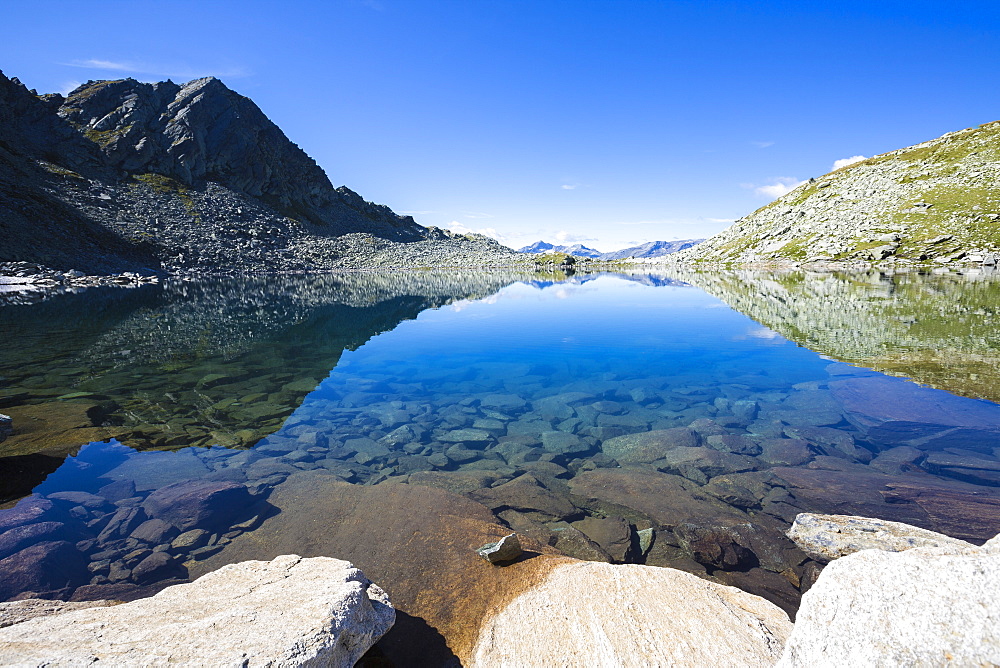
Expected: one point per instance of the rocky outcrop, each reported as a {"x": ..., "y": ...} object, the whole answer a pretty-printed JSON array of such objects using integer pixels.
[
  {"x": 828, "y": 537},
  {"x": 287, "y": 612},
  {"x": 933, "y": 202},
  {"x": 177, "y": 136},
  {"x": 928, "y": 606},
  {"x": 593, "y": 614},
  {"x": 123, "y": 174}
]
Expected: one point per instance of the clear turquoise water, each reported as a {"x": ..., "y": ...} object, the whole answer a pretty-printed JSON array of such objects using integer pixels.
[{"x": 436, "y": 380}]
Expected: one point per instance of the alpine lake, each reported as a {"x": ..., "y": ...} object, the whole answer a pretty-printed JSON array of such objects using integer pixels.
[{"x": 677, "y": 418}]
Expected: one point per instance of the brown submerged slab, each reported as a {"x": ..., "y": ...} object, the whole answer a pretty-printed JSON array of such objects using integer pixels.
[
  {"x": 418, "y": 543},
  {"x": 666, "y": 499},
  {"x": 878, "y": 400},
  {"x": 954, "y": 508}
]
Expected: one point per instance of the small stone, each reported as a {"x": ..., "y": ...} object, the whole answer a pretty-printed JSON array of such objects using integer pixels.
[
  {"x": 507, "y": 548},
  {"x": 646, "y": 539}
]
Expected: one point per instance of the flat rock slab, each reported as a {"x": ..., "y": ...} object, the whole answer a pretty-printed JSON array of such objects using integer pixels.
[
  {"x": 15, "y": 612},
  {"x": 954, "y": 508},
  {"x": 667, "y": 499},
  {"x": 648, "y": 446},
  {"x": 287, "y": 612},
  {"x": 829, "y": 537},
  {"x": 593, "y": 614},
  {"x": 877, "y": 400},
  {"x": 929, "y": 606}
]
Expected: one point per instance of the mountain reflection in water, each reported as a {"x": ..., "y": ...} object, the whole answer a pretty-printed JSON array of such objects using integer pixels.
[
  {"x": 623, "y": 418},
  {"x": 937, "y": 328}
]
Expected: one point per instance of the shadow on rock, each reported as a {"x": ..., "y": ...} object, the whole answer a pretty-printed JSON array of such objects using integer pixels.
[{"x": 410, "y": 642}]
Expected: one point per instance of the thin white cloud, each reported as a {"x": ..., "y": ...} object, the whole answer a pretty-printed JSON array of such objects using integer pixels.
[
  {"x": 570, "y": 186},
  {"x": 564, "y": 237},
  {"x": 172, "y": 71},
  {"x": 762, "y": 144},
  {"x": 460, "y": 228},
  {"x": 844, "y": 162},
  {"x": 781, "y": 185},
  {"x": 95, "y": 64},
  {"x": 69, "y": 86}
]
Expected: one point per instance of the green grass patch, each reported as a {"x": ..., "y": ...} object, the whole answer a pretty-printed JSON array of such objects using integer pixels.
[{"x": 104, "y": 137}]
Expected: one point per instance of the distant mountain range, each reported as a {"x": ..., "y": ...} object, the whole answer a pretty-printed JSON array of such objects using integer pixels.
[{"x": 646, "y": 250}]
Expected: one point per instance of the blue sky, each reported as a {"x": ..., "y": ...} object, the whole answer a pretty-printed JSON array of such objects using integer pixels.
[{"x": 607, "y": 123}]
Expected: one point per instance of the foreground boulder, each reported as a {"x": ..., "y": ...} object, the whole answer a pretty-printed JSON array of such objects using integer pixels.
[
  {"x": 286, "y": 612},
  {"x": 595, "y": 614},
  {"x": 829, "y": 537},
  {"x": 927, "y": 606}
]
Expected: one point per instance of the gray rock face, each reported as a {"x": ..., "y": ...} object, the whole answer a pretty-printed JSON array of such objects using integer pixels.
[
  {"x": 594, "y": 614},
  {"x": 829, "y": 537},
  {"x": 286, "y": 612},
  {"x": 928, "y": 606},
  {"x": 203, "y": 131}
]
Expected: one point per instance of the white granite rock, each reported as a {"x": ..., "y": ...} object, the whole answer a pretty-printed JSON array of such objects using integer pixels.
[
  {"x": 829, "y": 537},
  {"x": 286, "y": 612},
  {"x": 15, "y": 612},
  {"x": 927, "y": 606},
  {"x": 596, "y": 614}
]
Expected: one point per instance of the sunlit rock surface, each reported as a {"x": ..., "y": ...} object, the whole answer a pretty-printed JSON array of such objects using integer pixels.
[
  {"x": 286, "y": 612},
  {"x": 592, "y": 614},
  {"x": 928, "y": 606}
]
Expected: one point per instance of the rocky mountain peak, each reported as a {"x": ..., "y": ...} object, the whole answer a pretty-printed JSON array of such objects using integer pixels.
[{"x": 202, "y": 131}]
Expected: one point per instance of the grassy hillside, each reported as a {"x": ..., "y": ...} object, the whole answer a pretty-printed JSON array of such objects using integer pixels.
[{"x": 936, "y": 202}]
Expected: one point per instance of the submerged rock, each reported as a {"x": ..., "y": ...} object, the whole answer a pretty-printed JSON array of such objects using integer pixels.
[
  {"x": 44, "y": 567},
  {"x": 198, "y": 503},
  {"x": 507, "y": 548},
  {"x": 927, "y": 606},
  {"x": 290, "y": 611},
  {"x": 828, "y": 537},
  {"x": 648, "y": 446},
  {"x": 588, "y": 613}
]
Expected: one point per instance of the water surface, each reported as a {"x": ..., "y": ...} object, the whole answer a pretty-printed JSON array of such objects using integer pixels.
[{"x": 628, "y": 418}]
